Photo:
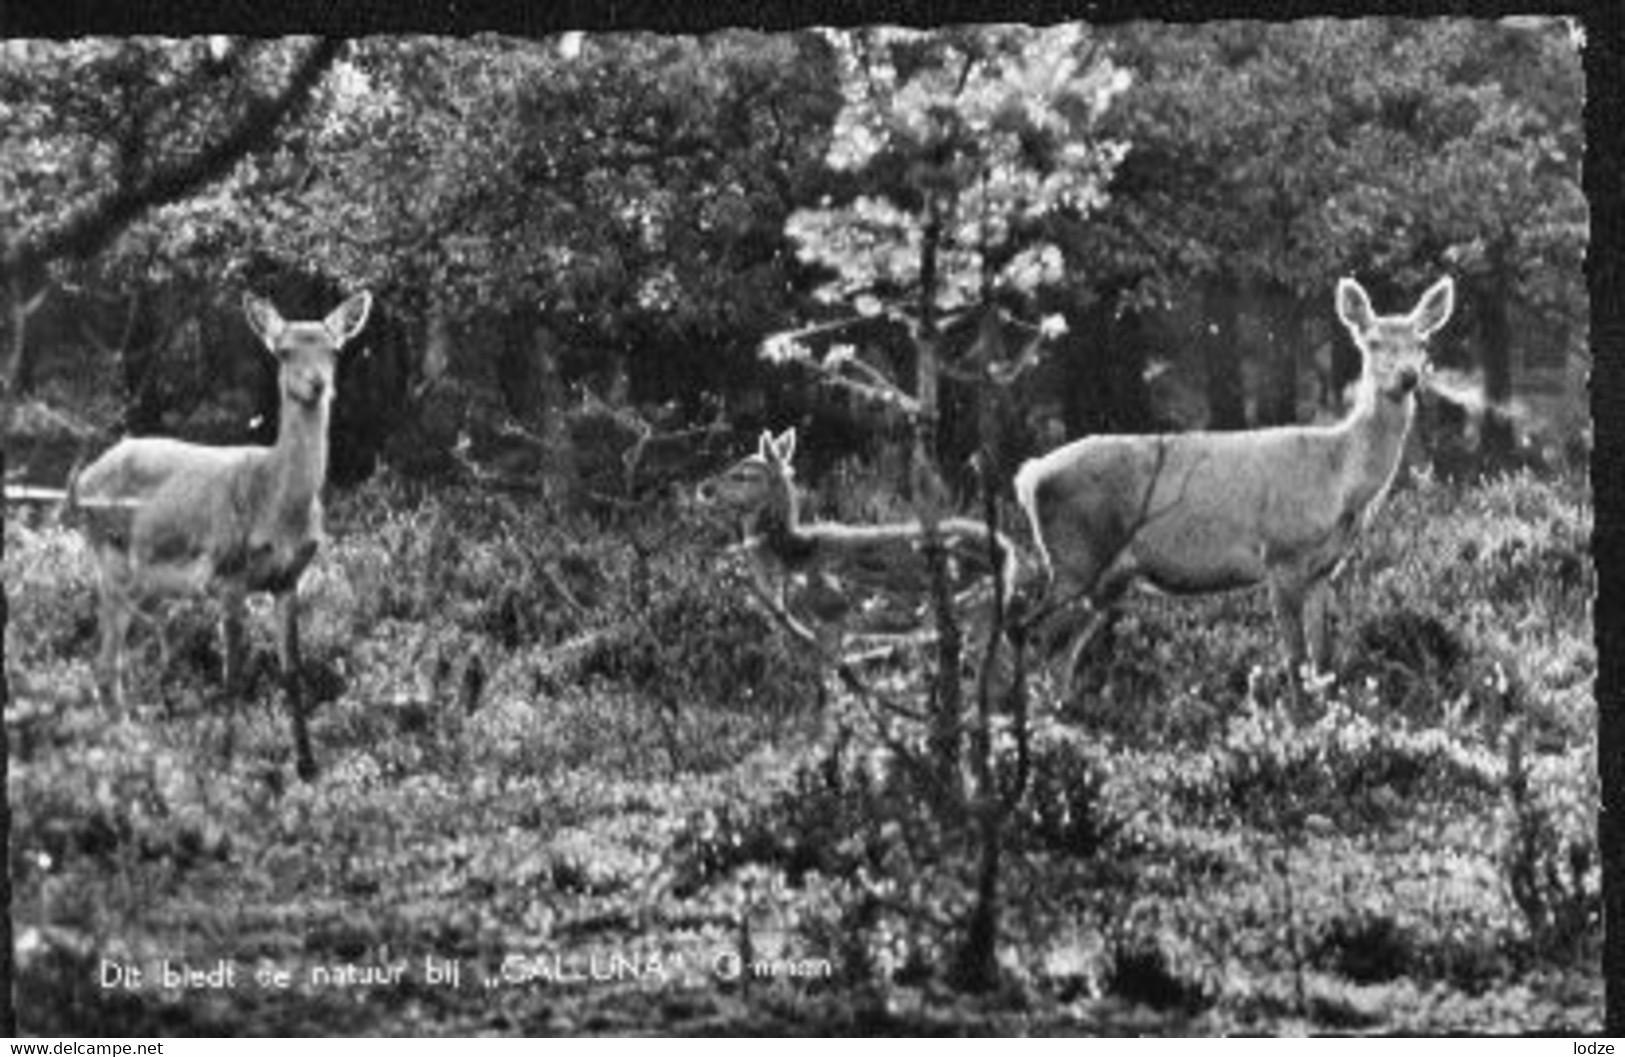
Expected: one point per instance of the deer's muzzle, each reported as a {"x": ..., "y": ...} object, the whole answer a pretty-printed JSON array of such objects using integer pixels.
[{"x": 308, "y": 391}]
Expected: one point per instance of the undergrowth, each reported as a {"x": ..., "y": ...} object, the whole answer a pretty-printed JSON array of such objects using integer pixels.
[{"x": 540, "y": 734}]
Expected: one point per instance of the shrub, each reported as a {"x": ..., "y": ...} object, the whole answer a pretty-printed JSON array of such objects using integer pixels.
[
  {"x": 1355, "y": 765},
  {"x": 1065, "y": 810},
  {"x": 50, "y": 589},
  {"x": 1148, "y": 965},
  {"x": 1550, "y": 856},
  {"x": 1368, "y": 948},
  {"x": 704, "y": 642}
]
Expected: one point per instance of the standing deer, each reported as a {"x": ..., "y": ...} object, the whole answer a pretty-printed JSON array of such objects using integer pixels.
[
  {"x": 1198, "y": 513},
  {"x": 885, "y": 557},
  {"x": 223, "y": 521}
]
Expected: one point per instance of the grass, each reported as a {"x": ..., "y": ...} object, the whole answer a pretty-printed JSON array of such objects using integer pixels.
[{"x": 578, "y": 763}]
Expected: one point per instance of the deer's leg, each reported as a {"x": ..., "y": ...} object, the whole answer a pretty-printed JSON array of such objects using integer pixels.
[
  {"x": 774, "y": 592},
  {"x": 1053, "y": 618},
  {"x": 1289, "y": 597},
  {"x": 1100, "y": 619},
  {"x": 1317, "y": 630},
  {"x": 115, "y": 615},
  {"x": 1099, "y": 631},
  {"x": 233, "y": 610},
  {"x": 233, "y": 613},
  {"x": 287, "y": 605}
]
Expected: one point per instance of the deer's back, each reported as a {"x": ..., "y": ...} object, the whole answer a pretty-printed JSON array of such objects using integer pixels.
[
  {"x": 143, "y": 468},
  {"x": 892, "y": 555},
  {"x": 198, "y": 513},
  {"x": 1202, "y": 511}
]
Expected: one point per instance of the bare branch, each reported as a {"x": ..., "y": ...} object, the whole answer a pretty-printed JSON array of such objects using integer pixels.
[
  {"x": 893, "y": 398},
  {"x": 33, "y": 304},
  {"x": 873, "y": 386},
  {"x": 131, "y": 315},
  {"x": 96, "y": 225},
  {"x": 774, "y": 343}
]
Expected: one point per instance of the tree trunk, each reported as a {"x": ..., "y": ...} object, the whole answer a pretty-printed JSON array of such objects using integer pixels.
[
  {"x": 1226, "y": 404},
  {"x": 436, "y": 362},
  {"x": 927, "y": 494},
  {"x": 924, "y": 485},
  {"x": 516, "y": 366},
  {"x": 977, "y": 965},
  {"x": 139, "y": 355},
  {"x": 24, "y": 353},
  {"x": 1102, "y": 363},
  {"x": 1608, "y": 614},
  {"x": 1497, "y": 439},
  {"x": 990, "y": 411},
  {"x": 560, "y": 470},
  {"x": 927, "y": 381},
  {"x": 1279, "y": 403}
]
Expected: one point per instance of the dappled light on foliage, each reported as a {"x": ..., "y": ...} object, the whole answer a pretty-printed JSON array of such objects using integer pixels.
[{"x": 671, "y": 783}]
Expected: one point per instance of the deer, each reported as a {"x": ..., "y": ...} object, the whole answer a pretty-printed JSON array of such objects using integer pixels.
[
  {"x": 779, "y": 543},
  {"x": 1207, "y": 512},
  {"x": 177, "y": 518}
]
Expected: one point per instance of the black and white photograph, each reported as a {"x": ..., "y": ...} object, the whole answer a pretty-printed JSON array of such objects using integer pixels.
[{"x": 1061, "y": 528}]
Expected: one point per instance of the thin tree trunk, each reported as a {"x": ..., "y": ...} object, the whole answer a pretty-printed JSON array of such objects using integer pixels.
[
  {"x": 1608, "y": 542},
  {"x": 1226, "y": 403},
  {"x": 145, "y": 336},
  {"x": 1497, "y": 439},
  {"x": 20, "y": 367},
  {"x": 516, "y": 367},
  {"x": 927, "y": 494},
  {"x": 1279, "y": 406},
  {"x": 1103, "y": 367},
  {"x": 977, "y": 968},
  {"x": 560, "y": 450},
  {"x": 977, "y": 965}
]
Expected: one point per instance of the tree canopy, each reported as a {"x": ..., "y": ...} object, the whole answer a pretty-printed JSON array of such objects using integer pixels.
[{"x": 669, "y": 201}]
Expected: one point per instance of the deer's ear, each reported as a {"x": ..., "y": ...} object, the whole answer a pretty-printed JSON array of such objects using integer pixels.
[
  {"x": 786, "y": 445},
  {"x": 346, "y": 321},
  {"x": 765, "y": 448},
  {"x": 265, "y": 320},
  {"x": 1433, "y": 311},
  {"x": 1353, "y": 306}
]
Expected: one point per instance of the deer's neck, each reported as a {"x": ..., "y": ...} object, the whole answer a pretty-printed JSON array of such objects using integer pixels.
[
  {"x": 299, "y": 459},
  {"x": 778, "y": 524},
  {"x": 1374, "y": 436}
]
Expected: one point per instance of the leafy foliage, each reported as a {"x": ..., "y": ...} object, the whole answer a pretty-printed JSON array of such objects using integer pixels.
[
  {"x": 1296, "y": 151},
  {"x": 111, "y": 129},
  {"x": 983, "y": 133}
]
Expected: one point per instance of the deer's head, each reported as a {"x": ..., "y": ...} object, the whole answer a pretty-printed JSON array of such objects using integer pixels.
[
  {"x": 307, "y": 352},
  {"x": 757, "y": 480},
  {"x": 1394, "y": 348}
]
